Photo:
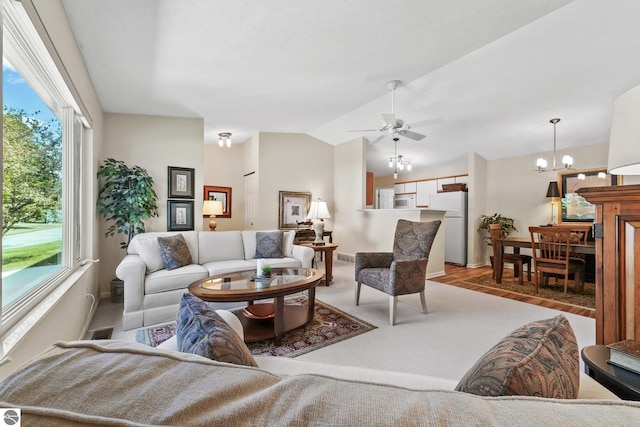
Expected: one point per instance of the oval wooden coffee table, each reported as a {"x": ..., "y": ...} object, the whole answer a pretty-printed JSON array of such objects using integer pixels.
[{"x": 243, "y": 286}]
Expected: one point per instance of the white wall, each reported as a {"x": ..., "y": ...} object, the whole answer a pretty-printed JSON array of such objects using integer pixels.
[
  {"x": 153, "y": 143},
  {"x": 292, "y": 162}
]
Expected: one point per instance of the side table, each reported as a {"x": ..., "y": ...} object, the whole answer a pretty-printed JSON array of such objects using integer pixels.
[
  {"x": 327, "y": 250},
  {"x": 625, "y": 384}
]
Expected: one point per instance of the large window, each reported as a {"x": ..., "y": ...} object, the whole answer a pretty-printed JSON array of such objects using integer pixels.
[{"x": 42, "y": 133}]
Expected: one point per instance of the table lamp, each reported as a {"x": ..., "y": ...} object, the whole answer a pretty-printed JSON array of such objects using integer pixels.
[
  {"x": 317, "y": 212},
  {"x": 212, "y": 208},
  {"x": 553, "y": 191}
]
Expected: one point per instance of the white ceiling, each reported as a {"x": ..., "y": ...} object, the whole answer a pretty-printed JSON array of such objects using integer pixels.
[{"x": 495, "y": 71}]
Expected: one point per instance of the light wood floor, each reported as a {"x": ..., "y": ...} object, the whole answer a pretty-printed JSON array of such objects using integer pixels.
[{"x": 454, "y": 275}]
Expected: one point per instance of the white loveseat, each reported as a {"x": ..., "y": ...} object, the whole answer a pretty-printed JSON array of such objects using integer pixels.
[{"x": 152, "y": 293}]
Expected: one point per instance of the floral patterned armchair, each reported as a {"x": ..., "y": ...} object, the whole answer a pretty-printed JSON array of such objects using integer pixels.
[{"x": 402, "y": 271}]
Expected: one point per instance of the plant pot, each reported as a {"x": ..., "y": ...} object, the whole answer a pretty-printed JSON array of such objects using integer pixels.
[{"x": 117, "y": 291}]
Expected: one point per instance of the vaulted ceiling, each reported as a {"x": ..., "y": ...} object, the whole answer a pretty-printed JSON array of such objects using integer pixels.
[{"x": 494, "y": 71}]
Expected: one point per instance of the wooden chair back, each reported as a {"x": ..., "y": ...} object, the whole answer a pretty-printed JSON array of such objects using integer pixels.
[
  {"x": 580, "y": 233},
  {"x": 551, "y": 253},
  {"x": 496, "y": 234}
]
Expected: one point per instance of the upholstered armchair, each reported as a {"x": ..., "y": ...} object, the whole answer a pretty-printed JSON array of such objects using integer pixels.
[{"x": 402, "y": 271}]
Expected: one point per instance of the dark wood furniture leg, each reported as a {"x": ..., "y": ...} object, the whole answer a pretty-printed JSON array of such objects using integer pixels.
[{"x": 278, "y": 319}]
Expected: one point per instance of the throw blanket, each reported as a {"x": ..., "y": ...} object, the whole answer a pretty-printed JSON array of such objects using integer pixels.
[{"x": 109, "y": 382}]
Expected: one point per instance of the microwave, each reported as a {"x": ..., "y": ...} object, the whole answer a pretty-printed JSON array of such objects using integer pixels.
[{"x": 404, "y": 201}]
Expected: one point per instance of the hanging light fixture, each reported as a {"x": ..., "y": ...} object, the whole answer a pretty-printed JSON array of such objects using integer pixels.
[
  {"x": 396, "y": 161},
  {"x": 224, "y": 138},
  {"x": 567, "y": 161}
]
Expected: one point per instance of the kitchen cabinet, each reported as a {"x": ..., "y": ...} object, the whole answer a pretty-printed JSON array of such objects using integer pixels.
[
  {"x": 424, "y": 189},
  {"x": 406, "y": 187}
]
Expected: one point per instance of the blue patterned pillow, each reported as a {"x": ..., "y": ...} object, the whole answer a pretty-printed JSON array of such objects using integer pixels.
[
  {"x": 200, "y": 330},
  {"x": 413, "y": 240},
  {"x": 174, "y": 251},
  {"x": 268, "y": 244}
]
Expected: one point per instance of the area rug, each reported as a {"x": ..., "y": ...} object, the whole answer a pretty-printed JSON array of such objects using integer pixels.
[
  {"x": 328, "y": 326},
  {"x": 553, "y": 291}
]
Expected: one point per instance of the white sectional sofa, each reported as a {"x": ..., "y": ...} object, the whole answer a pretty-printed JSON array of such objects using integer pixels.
[{"x": 152, "y": 293}]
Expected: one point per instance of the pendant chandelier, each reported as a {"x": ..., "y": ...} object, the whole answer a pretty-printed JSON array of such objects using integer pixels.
[
  {"x": 396, "y": 161},
  {"x": 567, "y": 161}
]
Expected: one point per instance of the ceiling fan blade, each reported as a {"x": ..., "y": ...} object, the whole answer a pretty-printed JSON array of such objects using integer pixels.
[
  {"x": 427, "y": 122},
  {"x": 413, "y": 135},
  {"x": 389, "y": 119},
  {"x": 364, "y": 130},
  {"x": 378, "y": 139}
]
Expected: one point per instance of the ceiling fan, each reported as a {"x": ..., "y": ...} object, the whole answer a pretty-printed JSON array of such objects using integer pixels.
[{"x": 395, "y": 126}]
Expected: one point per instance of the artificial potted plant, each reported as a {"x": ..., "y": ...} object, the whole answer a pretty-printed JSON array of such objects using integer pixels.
[
  {"x": 506, "y": 225},
  {"x": 126, "y": 196}
]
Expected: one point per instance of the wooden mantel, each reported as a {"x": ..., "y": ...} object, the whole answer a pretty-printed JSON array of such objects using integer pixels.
[{"x": 617, "y": 261}]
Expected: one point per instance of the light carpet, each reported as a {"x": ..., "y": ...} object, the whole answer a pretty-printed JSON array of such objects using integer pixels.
[
  {"x": 328, "y": 326},
  {"x": 461, "y": 326}
]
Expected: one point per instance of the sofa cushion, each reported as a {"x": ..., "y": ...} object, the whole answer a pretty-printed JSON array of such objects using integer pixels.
[
  {"x": 200, "y": 330},
  {"x": 220, "y": 246},
  {"x": 538, "y": 359},
  {"x": 249, "y": 241},
  {"x": 149, "y": 251},
  {"x": 174, "y": 251},
  {"x": 268, "y": 244}
]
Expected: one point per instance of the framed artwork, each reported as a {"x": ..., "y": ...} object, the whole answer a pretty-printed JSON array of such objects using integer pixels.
[
  {"x": 179, "y": 215},
  {"x": 293, "y": 208},
  {"x": 574, "y": 208},
  {"x": 212, "y": 192},
  {"x": 181, "y": 183}
]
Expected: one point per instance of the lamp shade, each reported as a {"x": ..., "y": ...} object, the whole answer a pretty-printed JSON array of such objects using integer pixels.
[
  {"x": 553, "y": 190},
  {"x": 318, "y": 210},
  {"x": 624, "y": 156},
  {"x": 212, "y": 207}
]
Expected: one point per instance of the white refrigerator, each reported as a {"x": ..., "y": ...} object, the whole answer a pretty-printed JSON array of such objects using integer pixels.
[{"x": 455, "y": 224}]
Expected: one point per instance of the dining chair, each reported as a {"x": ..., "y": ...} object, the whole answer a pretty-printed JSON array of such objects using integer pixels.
[
  {"x": 552, "y": 256},
  {"x": 518, "y": 260}
]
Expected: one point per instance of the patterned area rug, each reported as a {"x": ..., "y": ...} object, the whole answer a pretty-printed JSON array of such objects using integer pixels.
[
  {"x": 328, "y": 326},
  {"x": 554, "y": 292}
]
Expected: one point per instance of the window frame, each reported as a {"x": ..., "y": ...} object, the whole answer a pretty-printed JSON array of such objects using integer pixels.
[{"x": 27, "y": 52}]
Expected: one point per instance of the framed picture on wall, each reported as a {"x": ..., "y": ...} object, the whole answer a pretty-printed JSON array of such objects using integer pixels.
[
  {"x": 293, "y": 208},
  {"x": 574, "y": 208},
  {"x": 181, "y": 183},
  {"x": 212, "y": 192},
  {"x": 179, "y": 215}
]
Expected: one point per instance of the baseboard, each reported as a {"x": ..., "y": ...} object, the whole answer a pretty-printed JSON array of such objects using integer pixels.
[
  {"x": 478, "y": 265},
  {"x": 346, "y": 257},
  {"x": 435, "y": 274}
]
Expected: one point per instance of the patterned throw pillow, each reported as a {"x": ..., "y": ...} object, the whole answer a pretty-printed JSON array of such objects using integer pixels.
[
  {"x": 268, "y": 244},
  {"x": 200, "y": 330},
  {"x": 539, "y": 359},
  {"x": 174, "y": 251},
  {"x": 413, "y": 240}
]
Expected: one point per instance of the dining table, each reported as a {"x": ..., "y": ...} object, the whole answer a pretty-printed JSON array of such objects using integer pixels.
[{"x": 525, "y": 242}]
